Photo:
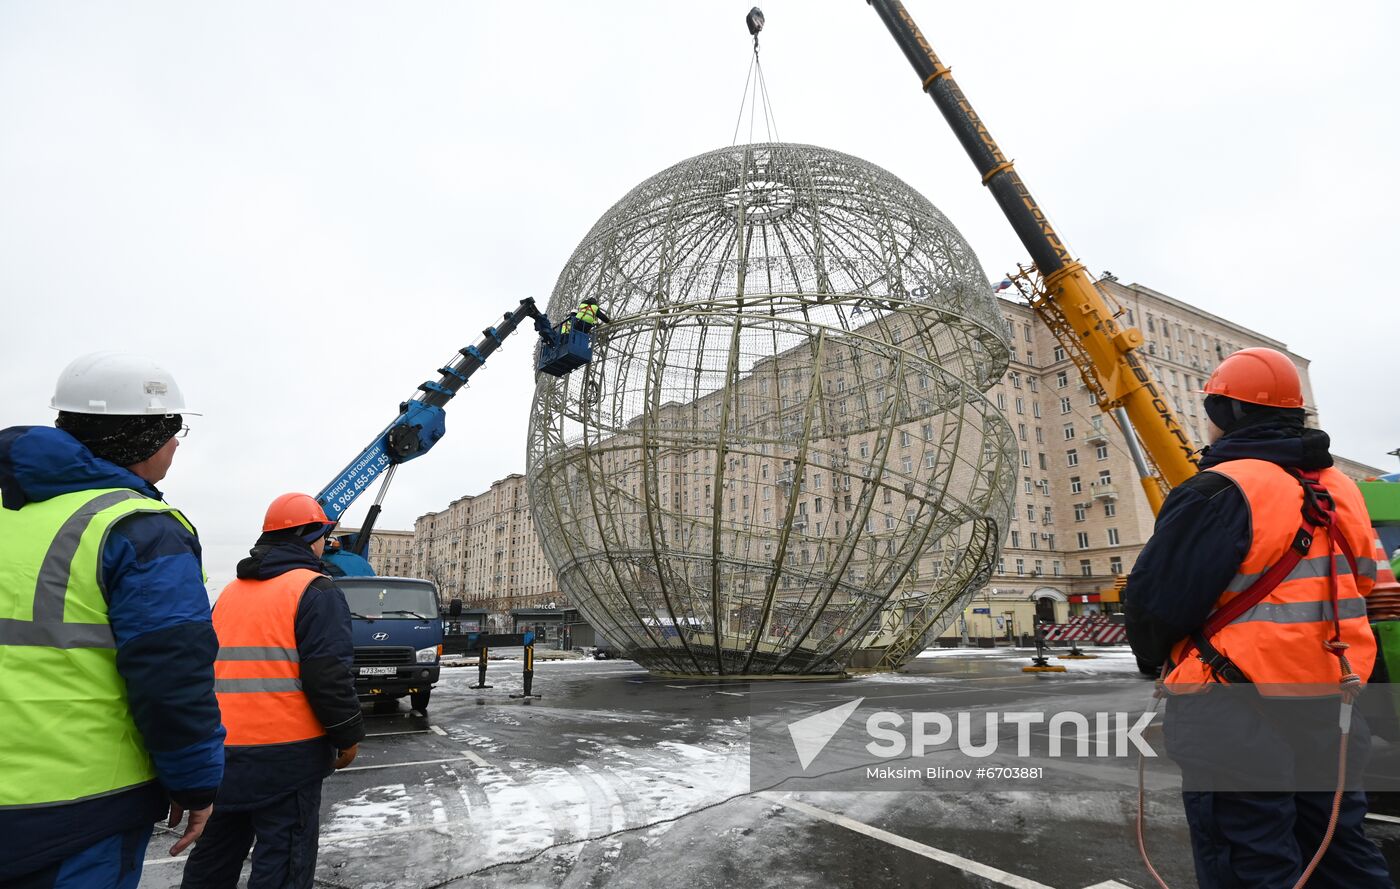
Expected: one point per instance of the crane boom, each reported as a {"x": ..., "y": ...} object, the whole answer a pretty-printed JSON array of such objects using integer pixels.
[{"x": 1059, "y": 288}]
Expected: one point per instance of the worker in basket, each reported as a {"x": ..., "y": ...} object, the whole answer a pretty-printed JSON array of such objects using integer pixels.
[
  {"x": 587, "y": 315},
  {"x": 1250, "y": 595}
]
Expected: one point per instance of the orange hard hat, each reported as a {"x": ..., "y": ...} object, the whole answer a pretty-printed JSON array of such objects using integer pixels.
[
  {"x": 1258, "y": 376},
  {"x": 293, "y": 511}
]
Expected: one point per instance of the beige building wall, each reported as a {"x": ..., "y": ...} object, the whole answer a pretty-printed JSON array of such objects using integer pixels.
[
  {"x": 1079, "y": 516},
  {"x": 1075, "y": 462},
  {"x": 483, "y": 549}
]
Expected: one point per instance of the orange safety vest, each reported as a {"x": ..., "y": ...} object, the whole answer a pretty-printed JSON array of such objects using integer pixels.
[
  {"x": 1280, "y": 639},
  {"x": 257, "y": 676}
]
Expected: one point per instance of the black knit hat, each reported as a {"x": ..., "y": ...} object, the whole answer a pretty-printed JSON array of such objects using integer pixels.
[{"x": 123, "y": 440}]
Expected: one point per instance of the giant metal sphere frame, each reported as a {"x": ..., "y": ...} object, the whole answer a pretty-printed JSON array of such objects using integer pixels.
[{"x": 781, "y": 459}]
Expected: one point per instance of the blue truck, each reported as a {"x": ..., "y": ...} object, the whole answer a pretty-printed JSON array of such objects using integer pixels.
[
  {"x": 397, "y": 624},
  {"x": 397, "y": 621}
]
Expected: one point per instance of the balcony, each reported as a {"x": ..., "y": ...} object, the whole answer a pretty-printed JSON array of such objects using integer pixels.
[
  {"x": 1104, "y": 491},
  {"x": 1096, "y": 434}
]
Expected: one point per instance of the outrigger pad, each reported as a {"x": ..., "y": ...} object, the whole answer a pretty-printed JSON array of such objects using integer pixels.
[{"x": 573, "y": 351}]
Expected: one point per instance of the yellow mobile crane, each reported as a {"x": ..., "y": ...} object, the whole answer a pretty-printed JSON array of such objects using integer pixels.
[{"x": 1059, "y": 288}]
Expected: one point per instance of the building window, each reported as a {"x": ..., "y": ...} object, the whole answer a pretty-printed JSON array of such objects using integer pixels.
[
  {"x": 1086, "y": 567},
  {"x": 1075, "y": 485},
  {"x": 1039, "y": 435},
  {"x": 1046, "y": 516},
  {"x": 1020, "y": 405},
  {"x": 1105, "y": 477},
  {"x": 1039, "y": 567},
  {"x": 1101, "y": 451},
  {"x": 1055, "y": 566},
  {"x": 1021, "y": 431},
  {"x": 1061, "y": 379},
  {"x": 1035, "y": 409},
  {"x": 1001, "y": 401},
  {"x": 1042, "y": 458},
  {"x": 1020, "y": 566},
  {"x": 1110, "y": 509},
  {"x": 908, "y": 464},
  {"x": 1001, "y": 565},
  {"x": 1027, "y": 482},
  {"x": 903, "y": 438},
  {"x": 1016, "y": 379},
  {"x": 929, "y": 459},
  {"x": 1065, "y": 406},
  {"x": 1082, "y": 538},
  {"x": 1015, "y": 538},
  {"x": 1069, "y": 431},
  {"x": 1112, "y": 536},
  {"x": 1071, "y": 457},
  {"x": 1025, "y": 457},
  {"x": 1115, "y": 565},
  {"x": 1030, "y": 512},
  {"x": 1033, "y": 382}
]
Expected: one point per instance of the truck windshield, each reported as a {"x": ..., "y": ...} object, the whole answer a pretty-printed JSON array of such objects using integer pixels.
[{"x": 390, "y": 601}]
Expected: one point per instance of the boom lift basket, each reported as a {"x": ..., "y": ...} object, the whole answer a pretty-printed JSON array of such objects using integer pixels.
[{"x": 570, "y": 350}]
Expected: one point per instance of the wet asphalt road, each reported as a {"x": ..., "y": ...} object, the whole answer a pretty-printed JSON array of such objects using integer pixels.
[{"x": 653, "y": 776}]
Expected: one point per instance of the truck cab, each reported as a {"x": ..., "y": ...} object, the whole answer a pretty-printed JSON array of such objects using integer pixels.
[{"x": 397, "y": 628}]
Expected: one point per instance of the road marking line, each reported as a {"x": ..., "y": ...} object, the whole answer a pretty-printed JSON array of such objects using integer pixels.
[
  {"x": 682, "y": 686},
  {"x": 735, "y": 694},
  {"x": 437, "y": 729},
  {"x": 1109, "y": 884},
  {"x": 422, "y": 762},
  {"x": 1388, "y": 819},
  {"x": 417, "y": 731},
  {"x": 467, "y": 754},
  {"x": 966, "y": 865}
]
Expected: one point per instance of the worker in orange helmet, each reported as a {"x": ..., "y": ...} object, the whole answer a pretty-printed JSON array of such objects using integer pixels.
[
  {"x": 284, "y": 682},
  {"x": 1259, "y": 761}
]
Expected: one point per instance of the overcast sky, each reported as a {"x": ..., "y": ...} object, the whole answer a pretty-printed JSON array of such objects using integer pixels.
[{"x": 303, "y": 209}]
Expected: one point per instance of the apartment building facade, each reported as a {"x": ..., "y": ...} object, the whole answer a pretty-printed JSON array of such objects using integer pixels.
[
  {"x": 1081, "y": 517},
  {"x": 1078, "y": 519},
  {"x": 483, "y": 549}
]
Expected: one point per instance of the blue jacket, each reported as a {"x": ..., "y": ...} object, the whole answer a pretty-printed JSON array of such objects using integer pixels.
[
  {"x": 1202, "y": 535},
  {"x": 159, "y": 612},
  {"x": 259, "y": 775}
]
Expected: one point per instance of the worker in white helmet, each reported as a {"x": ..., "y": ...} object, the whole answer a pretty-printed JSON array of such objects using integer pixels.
[{"x": 110, "y": 721}]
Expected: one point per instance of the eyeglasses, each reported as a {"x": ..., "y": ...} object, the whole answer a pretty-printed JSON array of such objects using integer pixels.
[{"x": 184, "y": 430}]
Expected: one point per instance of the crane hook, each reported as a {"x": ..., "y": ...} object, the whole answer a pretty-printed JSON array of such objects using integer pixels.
[{"x": 755, "y": 22}]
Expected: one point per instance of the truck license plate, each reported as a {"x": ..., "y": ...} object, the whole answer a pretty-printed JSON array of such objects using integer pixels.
[{"x": 378, "y": 671}]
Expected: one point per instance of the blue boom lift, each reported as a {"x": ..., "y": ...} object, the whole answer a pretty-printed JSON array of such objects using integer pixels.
[
  {"x": 397, "y": 622},
  {"x": 422, "y": 420}
]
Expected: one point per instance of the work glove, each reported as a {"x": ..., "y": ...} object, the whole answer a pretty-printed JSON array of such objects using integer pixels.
[{"x": 344, "y": 757}]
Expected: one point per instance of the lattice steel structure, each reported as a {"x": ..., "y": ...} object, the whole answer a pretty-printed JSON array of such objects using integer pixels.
[{"x": 780, "y": 459}]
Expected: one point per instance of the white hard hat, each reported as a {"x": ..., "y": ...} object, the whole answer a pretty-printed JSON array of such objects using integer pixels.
[{"x": 119, "y": 384}]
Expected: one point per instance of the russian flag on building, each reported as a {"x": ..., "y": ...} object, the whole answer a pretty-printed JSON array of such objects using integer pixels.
[{"x": 1005, "y": 283}]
